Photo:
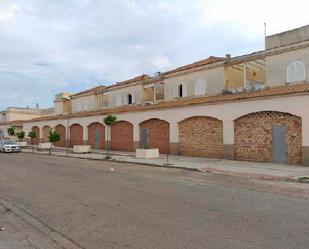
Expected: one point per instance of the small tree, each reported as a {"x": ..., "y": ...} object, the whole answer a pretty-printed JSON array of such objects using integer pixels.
[
  {"x": 53, "y": 138},
  {"x": 11, "y": 131},
  {"x": 109, "y": 121},
  {"x": 32, "y": 135},
  {"x": 20, "y": 135}
]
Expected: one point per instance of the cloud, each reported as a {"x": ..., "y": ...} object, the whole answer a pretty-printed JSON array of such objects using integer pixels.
[{"x": 52, "y": 46}]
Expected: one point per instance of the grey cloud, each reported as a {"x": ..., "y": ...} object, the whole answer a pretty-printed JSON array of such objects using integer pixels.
[{"x": 50, "y": 46}]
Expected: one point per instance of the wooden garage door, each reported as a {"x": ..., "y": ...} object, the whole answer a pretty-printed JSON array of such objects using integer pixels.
[
  {"x": 96, "y": 136},
  {"x": 158, "y": 134},
  {"x": 201, "y": 136},
  {"x": 37, "y": 132},
  {"x": 76, "y": 135},
  {"x": 254, "y": 134},
  {"x": 122, "y": 136},
  {"x": 60, "y": 129}
]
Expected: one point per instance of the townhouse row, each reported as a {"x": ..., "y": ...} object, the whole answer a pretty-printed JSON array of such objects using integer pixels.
[{"x": 250, "y": 107}]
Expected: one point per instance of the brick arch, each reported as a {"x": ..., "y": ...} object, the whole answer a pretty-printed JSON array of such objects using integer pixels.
[
  {"x": 158, "y": 134},
  {"x": 61, "y": 130},
  {"x": 96, "y": 135},
  {"x": 122, "y": 136},
  {"x": 76, "y": 135},
  {"x": 37, "y": 132},
  {"x": 46, "y": 130},
  {"x": 253, "y": 136},
  {"x": 201, "y": 136}
]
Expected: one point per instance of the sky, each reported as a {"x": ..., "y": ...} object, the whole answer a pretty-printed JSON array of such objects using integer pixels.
[{"x": 47, "y": 47}]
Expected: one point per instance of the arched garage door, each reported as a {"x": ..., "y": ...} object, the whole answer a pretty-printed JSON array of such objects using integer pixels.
[
  {"x": 201, "y": 136},
  {"x": 96, "y": 136},
  {"x": 158, "y": 134},
  {"x": 60, "y": 129},
  {"x": 122, "y": 136},
  {"x": 76, "y": 135},
  {"x": 269, "y": 137},
  {"x": 46, "y": 130},
  {"x": 37, "y": 133}
]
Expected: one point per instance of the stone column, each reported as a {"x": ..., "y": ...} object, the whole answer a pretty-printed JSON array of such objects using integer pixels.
[
  {"x": 228, "y": 139},
  {"x": 174, "y": 138},
  {"x": 136, "y": 136}
]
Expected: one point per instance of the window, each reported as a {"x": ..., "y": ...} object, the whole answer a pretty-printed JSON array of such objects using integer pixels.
[
  {"x": 200, "y": 87},
  {"x": 180, "y": 91},
  {"x": 130, "y": 99},
  {"x": 296, "y": 72}
]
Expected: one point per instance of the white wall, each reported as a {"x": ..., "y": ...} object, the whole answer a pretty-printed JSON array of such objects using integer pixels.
[
  {"x": 276, "y": 66},
  {"x": 214, "y": 79},
  {"x": 84, "y": 103},
  {"x": 227, "y": 112},
  {"x": 123, "y": 92}
]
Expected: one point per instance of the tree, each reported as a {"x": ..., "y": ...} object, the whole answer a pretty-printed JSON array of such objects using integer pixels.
[
  {"x": 20, "y": 135},
  {"x": 109, "y": 121},
  {"x": 32, "y": 135},
  {"x": 53, "y": 138},
  {"x": 11, "y": 131}
]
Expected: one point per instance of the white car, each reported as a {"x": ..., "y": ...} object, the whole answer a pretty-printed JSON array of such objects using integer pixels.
[{"x": 9, "y": 146}]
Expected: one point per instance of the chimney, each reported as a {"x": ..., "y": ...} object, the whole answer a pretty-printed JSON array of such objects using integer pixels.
[{"x": 228, "y": 56}]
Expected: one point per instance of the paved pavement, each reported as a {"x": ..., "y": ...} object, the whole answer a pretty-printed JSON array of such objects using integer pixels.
[
  {"x": 100, "y": 204},
  {"x": 268, "y": 171}
]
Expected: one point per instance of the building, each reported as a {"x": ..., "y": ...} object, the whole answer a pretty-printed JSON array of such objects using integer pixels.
[
  {"x": 14, "y": 117},
  {"x": 250, "y": 107}
]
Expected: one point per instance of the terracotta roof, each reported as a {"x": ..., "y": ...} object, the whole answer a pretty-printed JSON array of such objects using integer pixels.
[
  {"x": 291, "y": 90},
  {"x": 207, "y": 61},
  {"x": 129, "y": 81},
  {"x": 94, "y": 89}
]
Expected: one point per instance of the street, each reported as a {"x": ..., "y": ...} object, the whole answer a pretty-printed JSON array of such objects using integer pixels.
[{"x": 50, "y": 202}]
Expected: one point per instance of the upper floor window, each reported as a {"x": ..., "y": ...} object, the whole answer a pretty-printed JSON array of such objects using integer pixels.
[
  {"x": 200, "y": 87},
  {"x": 130, "y": 99},
  {"x": 180, "y": 91},
  {"x": 296, "y": 72}
]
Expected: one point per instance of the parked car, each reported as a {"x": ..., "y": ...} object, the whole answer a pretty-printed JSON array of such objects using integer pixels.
[{"x": 9, "y": 146}]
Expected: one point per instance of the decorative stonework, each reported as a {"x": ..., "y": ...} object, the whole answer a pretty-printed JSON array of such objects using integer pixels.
[{"x": 201, "y": 136}]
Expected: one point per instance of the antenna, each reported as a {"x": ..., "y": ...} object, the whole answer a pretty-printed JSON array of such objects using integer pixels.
[{"x": 265, "y": 33}]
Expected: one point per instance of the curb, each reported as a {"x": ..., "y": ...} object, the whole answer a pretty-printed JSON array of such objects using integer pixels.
[
  {"x": 249, "y": 175},
  {"x": 118, "y": 161},
  {"x": 208, "y": 170}
]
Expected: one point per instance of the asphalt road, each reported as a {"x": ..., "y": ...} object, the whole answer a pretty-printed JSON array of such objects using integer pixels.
[{"x": 96, "y": 204}]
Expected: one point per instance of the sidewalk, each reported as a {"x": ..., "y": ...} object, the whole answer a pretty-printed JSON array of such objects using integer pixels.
[{"x": 267, "y": 171}]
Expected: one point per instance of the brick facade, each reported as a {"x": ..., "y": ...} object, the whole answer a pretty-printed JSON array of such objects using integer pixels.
[
  {"x": 46, "y": 131},
  {"x": 96, "y": 131},
  {"x": 201, "y": 136},
  {"x": 61, "y": 130},
  {"x": 37, "y": 132},
  {"x": 253, "y": 136},
  {"x": 76, "y": 135},
  {"x": 122, "y": 136},
  {"x": 158, "y": 134}
]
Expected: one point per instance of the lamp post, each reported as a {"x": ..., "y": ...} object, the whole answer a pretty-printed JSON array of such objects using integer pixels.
[{"x": 67, "y": 141}]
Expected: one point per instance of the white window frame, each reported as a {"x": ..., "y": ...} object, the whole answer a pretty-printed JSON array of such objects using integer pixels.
[
  {"x": 200, "y": 87},
  {"x": 295, "y": 72}
]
